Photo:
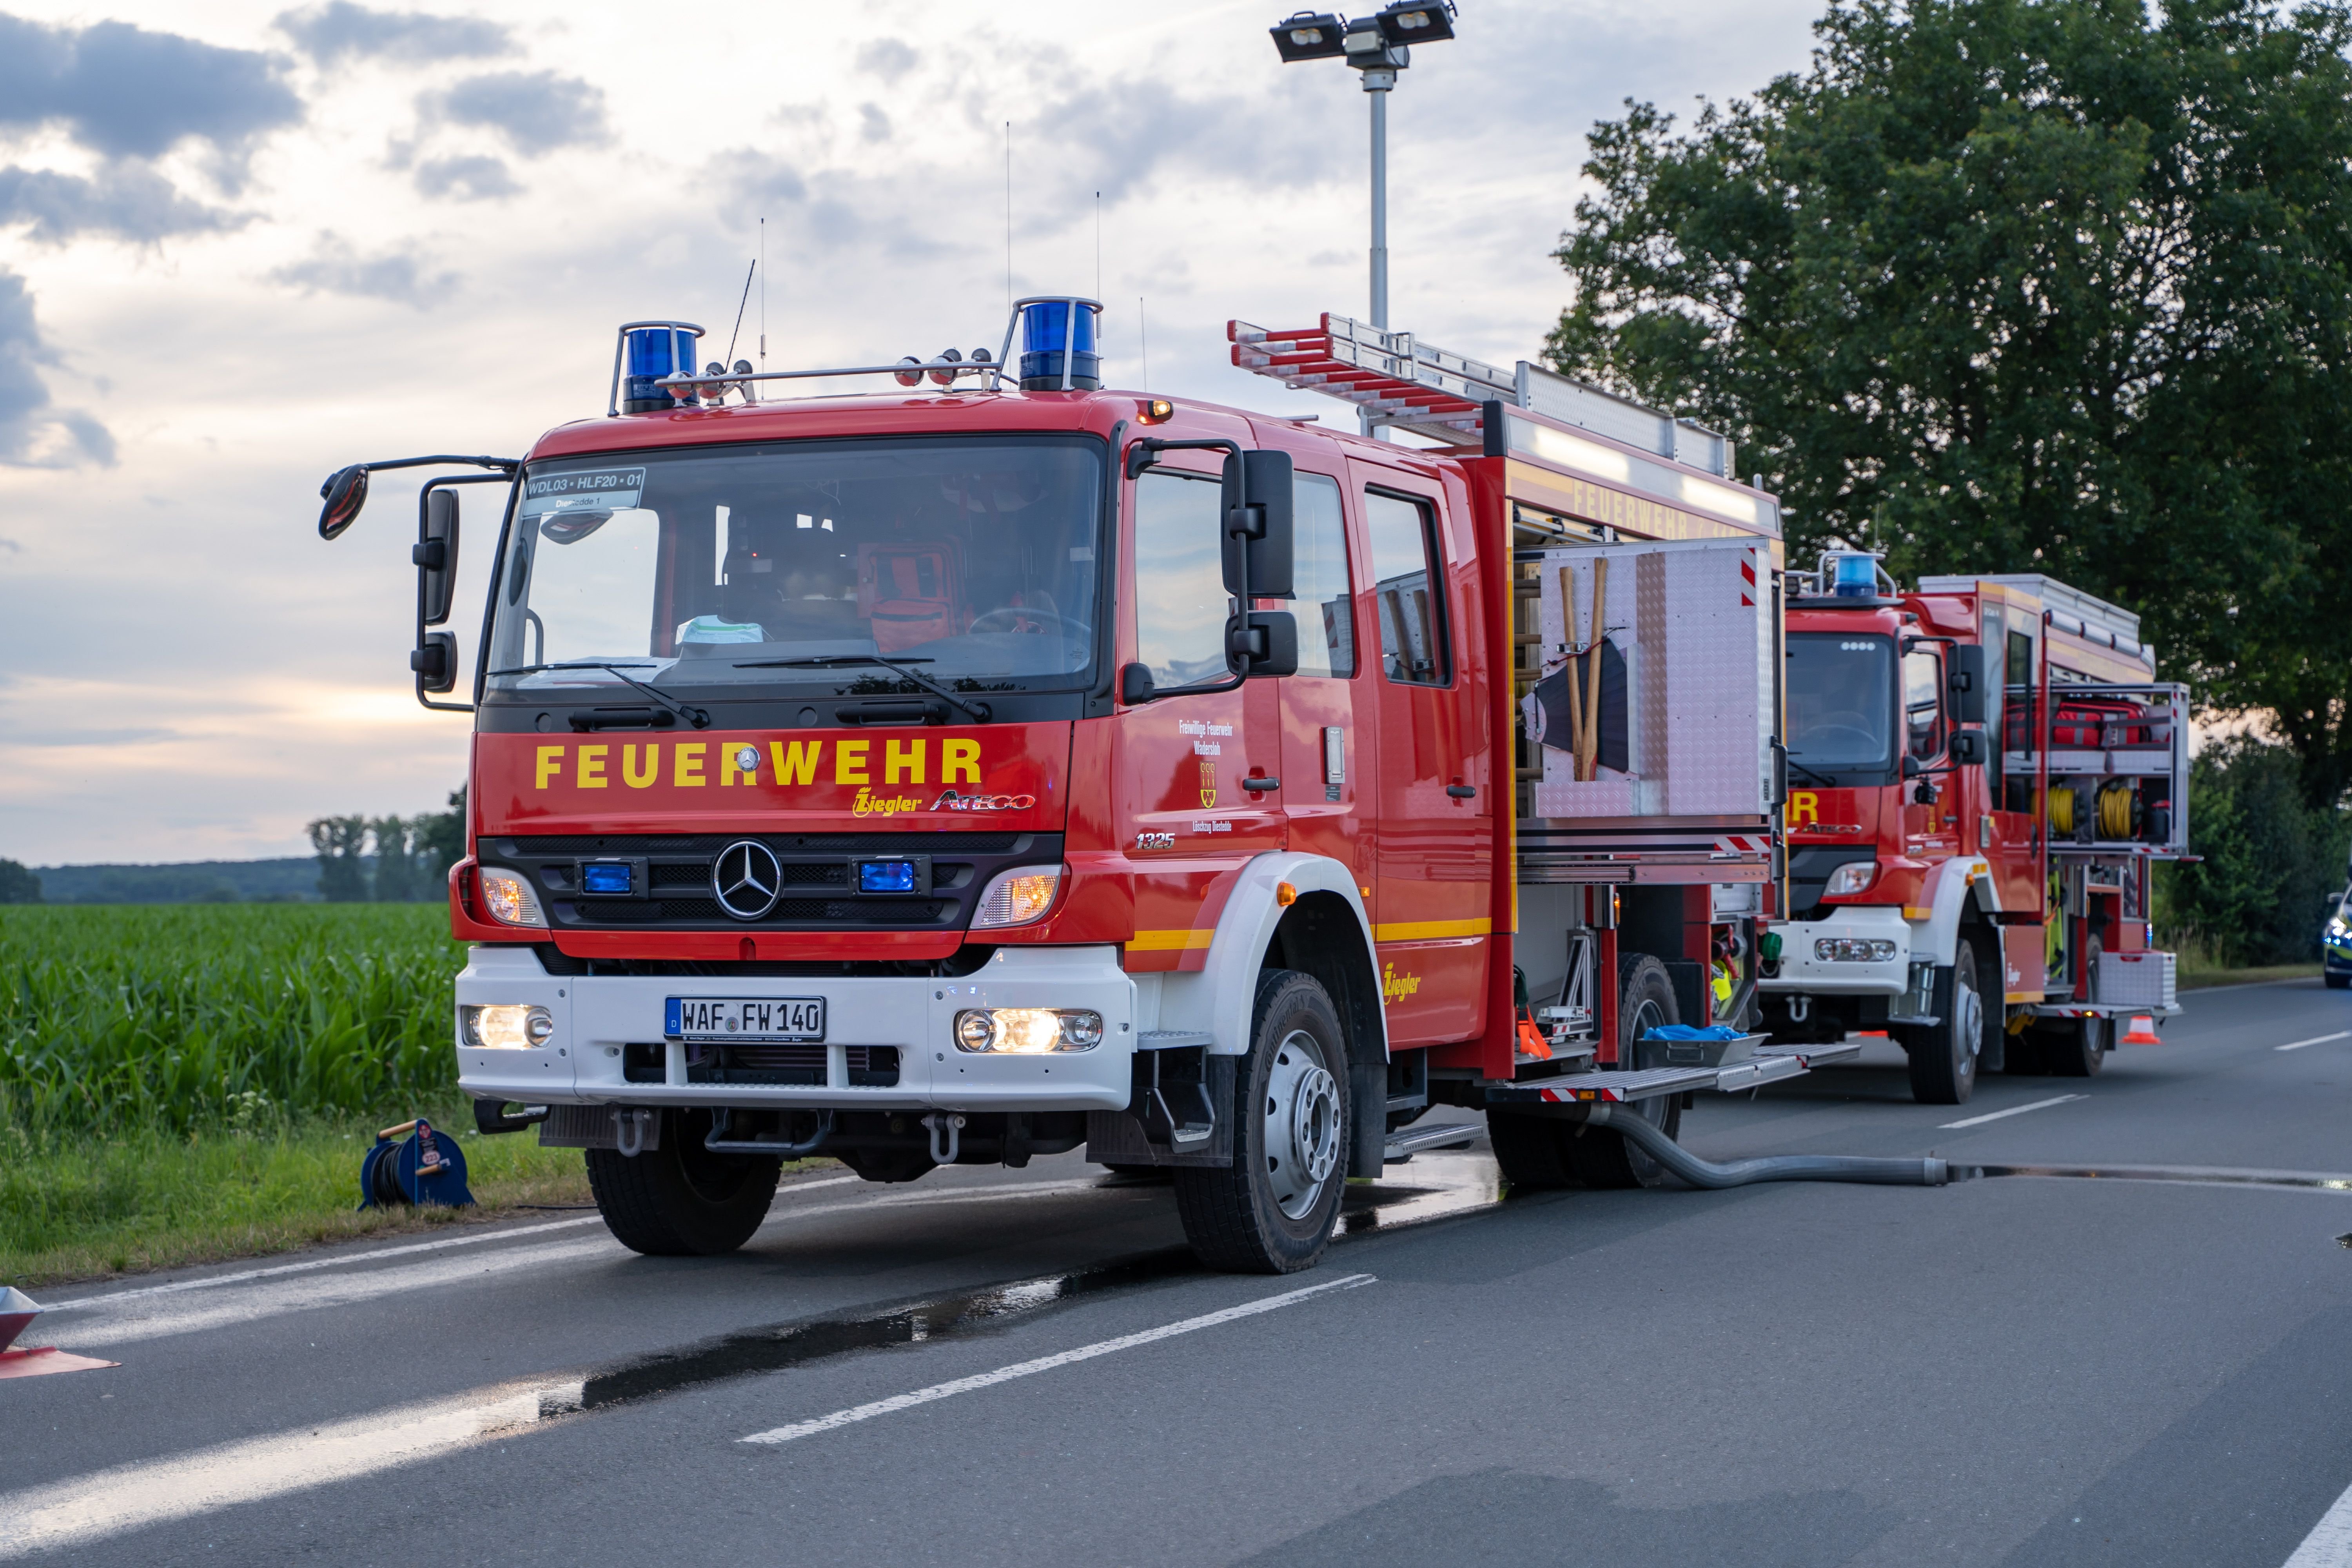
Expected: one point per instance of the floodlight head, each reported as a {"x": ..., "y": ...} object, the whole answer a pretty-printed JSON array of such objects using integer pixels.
[
  {"x": 1416, "y": 22},
  {"x": 1309, "y": 36}
]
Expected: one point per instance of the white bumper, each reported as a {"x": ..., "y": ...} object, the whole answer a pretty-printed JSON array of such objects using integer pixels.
[
  {"x": 1802, "y": 971},
  {"x": 596, "y": 1016}
]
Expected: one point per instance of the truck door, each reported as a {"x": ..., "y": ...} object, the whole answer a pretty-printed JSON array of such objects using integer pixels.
[
  {"x": 1929, "y": 825},
  {"x": 2013, "y": 838},
  {"x": 1182, "y": 765},
  {"x": 1325, "y": 735},
  {"x": 1434, "y": 847}
]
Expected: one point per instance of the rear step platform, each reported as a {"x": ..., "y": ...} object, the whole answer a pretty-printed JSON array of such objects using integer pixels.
[{"x": 1767, "y": 1064}]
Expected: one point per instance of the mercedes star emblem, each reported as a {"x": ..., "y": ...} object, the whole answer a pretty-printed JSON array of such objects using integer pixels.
[{"x": 745, "y": 878}]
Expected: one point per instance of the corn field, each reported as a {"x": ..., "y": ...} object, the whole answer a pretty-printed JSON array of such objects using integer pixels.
[{"x": 187, "y": 1016}]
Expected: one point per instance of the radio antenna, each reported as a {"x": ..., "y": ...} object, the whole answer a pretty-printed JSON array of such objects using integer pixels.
[
  {"x": 746, "y": 300},
  {"x": 763, "y": 293},
  {"x": 1098, "y": 245},
  {"x": 1008, "y": 218}
]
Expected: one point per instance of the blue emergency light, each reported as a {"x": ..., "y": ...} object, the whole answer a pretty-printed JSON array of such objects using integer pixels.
[
  {"x": 610, "y": 876},
  {"x": 1853, "y": 576},
  {"x": 886, "y": 877},
  {"x": 647, "y": 352},
  {"x": 1057, "y": 345}
]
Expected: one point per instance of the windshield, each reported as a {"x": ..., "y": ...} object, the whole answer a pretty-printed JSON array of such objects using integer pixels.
[
  {"x": 971, "y": 560},
  {"x": 1841, "y": 705}
]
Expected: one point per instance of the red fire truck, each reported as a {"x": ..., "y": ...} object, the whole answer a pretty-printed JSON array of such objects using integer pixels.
[
  {"x": 1982, "y": 775},
  {"x": 975, "y": 771}
]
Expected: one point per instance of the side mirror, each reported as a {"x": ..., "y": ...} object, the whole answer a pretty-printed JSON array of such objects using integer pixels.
[
  {"x": 1911, "y": 766},
  {"x": 1965, "y": 748},
  {"x": 1779, "y": 784},
  {"x": 1965, "y": 683},
  {"x": 435, "y": 554},
  {"x": 436, "y": 662},
  {"x": 1265, "y": 642},
  {"x": 1135, "y": 684},
  {"x": 346, "y": 492},
  {"x": 1264, "y": 522}
]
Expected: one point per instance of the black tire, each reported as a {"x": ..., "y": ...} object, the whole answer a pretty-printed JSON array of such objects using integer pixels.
[
  {"x": 1600, "y": 1156},
  {"x": 1944, "y": 1056},
  {"x": 2337, "y": 982},
  {"x": 681, "y": 1200},
  {"x": 1272, "y": 1210},
  {"x": 904, "y": 1165},
  {"x": 2077, "y": 1047},
  {"x": 1532, "y": 1150}
]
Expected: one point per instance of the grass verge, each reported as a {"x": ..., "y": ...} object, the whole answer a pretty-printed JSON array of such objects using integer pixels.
[
  {"x": 2201, "y": 979},
  {"x": 76, "y": 1208}
]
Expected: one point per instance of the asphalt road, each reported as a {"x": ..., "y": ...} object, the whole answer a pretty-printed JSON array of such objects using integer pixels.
[{"x": 1025, "y": 1366}]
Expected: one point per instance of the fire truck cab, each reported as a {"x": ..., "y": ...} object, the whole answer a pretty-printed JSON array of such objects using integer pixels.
[
  {"x": 1011, "y": 766},
  {"x": 1982, "y": 775}
]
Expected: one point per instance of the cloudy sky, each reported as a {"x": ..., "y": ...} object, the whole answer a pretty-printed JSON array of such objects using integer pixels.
[{"x": 241, "y": 245}]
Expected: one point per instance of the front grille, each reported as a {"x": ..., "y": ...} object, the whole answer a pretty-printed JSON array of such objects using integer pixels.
[
  {"x": 816, "y": 893},
  {"x": 870, "y": 1067}
]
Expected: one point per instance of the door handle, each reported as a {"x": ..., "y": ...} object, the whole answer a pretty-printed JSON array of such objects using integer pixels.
[
  {"x": 1462, "y": 792},
  {"x": 1254, "y": 784}
]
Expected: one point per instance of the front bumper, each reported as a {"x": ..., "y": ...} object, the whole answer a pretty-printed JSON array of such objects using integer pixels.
[
  {"x": 582, "y": 1063},
  {"x": 1802, "y": 972}
]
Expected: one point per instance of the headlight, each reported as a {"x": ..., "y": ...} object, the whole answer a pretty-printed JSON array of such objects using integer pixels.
[
  {"x": 1017, "y": 896},
  {"x": 509, "y": 898},
  {"x": 1853, "y": 949},
  {"x": 1027, "y": 1031},
  {"x": 1852, "y": 878},
  {"x": 506, "y": 1026}
]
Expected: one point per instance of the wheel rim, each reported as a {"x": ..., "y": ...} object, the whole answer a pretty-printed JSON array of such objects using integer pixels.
[
  {"x": 1302, "y": 1124},
  {"x": 1968, "y": 1024}
]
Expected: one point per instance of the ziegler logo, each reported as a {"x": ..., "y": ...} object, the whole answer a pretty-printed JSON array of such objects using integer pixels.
[
  {"x": 1395, "y": 988},
  {"x": 872, "y": 804},
  {"x": 950, "y": 801}
]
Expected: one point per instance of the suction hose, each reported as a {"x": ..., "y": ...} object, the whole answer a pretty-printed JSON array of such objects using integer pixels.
[{"x": 1698, "y": 1172}]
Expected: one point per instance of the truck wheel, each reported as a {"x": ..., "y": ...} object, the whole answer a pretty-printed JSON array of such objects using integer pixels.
[
  {"x": 681, "y": 1200},
  {"x": 2079, "y": 1048},
  {"x": 1532, "y": 1150},
  {"x": 1271, "y": 1211},
  {"x": 1645, "y": 999},
  {"x": 1944, "y": 1056}
]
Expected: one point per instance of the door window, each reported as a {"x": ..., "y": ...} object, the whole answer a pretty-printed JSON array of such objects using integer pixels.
[
  {"x": 1180, "y": 603},
  {"x": 1923, "y": 704},
  {"x": 1410, "y": 593},
  {"x": 1321, "y": 599}
]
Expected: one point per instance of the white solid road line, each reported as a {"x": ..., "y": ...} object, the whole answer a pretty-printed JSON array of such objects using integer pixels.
[
  {"x": 938, "y": 1390},
  {"x": 2329, "y": 1545},
  {"x": 2014, "y": 1110},
  {"x": 155, "y": 1492},
  {"x": 2316, "y": 1040}
]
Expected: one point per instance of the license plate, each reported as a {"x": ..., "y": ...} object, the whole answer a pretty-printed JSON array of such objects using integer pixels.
[{"x": 763, "y": 1019}]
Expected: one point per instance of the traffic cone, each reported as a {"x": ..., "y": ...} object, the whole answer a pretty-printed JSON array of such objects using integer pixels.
[{"x": 2142, "y": 1031}]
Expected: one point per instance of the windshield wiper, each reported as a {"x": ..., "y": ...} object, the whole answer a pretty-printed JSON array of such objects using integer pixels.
[
  {"x": 1821, "y": 779},
  {"x": 979, "y": 710},
  {"x": 697, "y": 717}
]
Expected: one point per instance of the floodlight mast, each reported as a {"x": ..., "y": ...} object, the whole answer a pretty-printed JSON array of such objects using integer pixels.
[{"x": 1377, "y": 46}]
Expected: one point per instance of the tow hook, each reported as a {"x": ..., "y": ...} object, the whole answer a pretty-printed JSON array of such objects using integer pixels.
[{"x": 947, "y": 1136}]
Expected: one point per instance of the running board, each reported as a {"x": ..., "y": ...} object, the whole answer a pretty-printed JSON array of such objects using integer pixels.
[
  {"x": 1769, "y": 1064},
  {"x": 1405, "y": 1145}
]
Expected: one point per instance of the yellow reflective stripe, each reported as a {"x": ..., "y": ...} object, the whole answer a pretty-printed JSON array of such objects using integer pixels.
[
  {"x": 1423, "y": 931},
  {"x": 1167, "y": 940}
]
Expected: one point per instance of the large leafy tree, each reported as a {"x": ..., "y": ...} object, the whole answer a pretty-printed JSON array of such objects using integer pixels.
[{"x": 2026, "y": 285}]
